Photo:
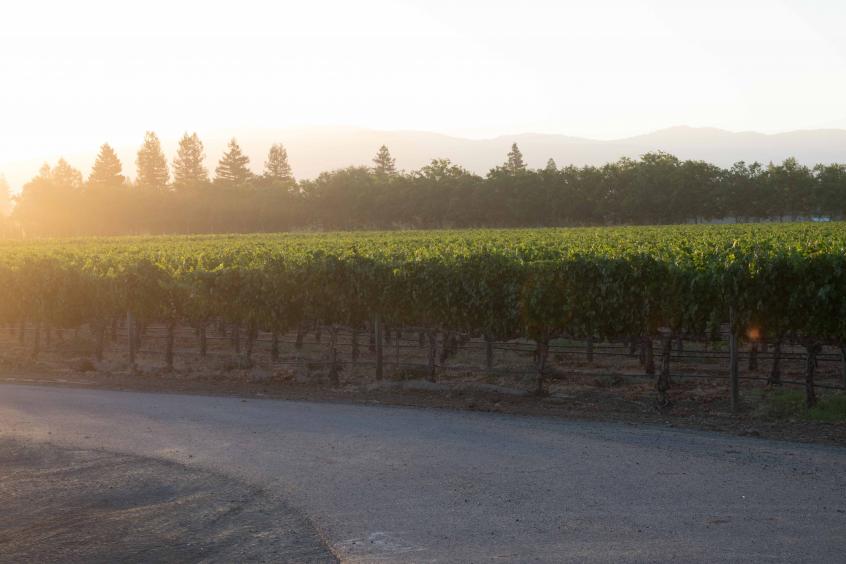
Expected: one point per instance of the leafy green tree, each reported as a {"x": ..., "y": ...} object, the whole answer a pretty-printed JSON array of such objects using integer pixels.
[
  {"x": 107, "y": 169},
  {"x": 791, "y": 186},
  {"x": 276, "y": 167},
  {"x": 551, "y": 166},
  {"x": 188, "y": 167},
  {"x": 385, "y": 164},
  {"x": 233, "y": 168},
  {"x": 830, "y": 195},
  {"x": 49, "y": 203},
  {"x": 151, "y": 164}
]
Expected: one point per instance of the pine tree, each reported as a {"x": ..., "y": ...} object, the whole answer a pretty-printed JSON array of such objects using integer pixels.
[
  {"x": 5, "y": 197},
  {"x": 515, "y": 164},
  {"x": 106, "y": 170},
  {"x": 232, "y": 169},
  {"x": 385, "y": 164},
  {"x": 276, "y": 167},
  {"x": 151, "y": 163},
  {"x": 188, "y": 167},
  {"x": 551, "y": 166},
  {"x": 64, "y": 175}
]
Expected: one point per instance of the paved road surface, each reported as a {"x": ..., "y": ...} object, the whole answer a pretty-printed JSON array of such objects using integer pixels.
[{"x": 418, "y": 485}]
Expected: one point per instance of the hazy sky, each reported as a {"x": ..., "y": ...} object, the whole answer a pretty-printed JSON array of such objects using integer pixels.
[{"x": 83, "y": 72}]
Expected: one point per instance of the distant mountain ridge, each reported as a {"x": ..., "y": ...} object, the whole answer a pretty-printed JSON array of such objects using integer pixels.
[{"x": 317, "y": 149}]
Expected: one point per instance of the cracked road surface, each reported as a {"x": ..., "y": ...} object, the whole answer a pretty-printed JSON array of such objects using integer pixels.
[{"x": 389, "y": 484}]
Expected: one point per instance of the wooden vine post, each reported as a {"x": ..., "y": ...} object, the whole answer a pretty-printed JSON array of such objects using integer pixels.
[
  {"x": 812, "y": 349},
  {"x": 489, "y": 352},
  {"x": 843, "y": 365},
  {"x": 734, "y": 377},
  {"x": 377, "y": 329},
  {"x": 130, "y": 335}
]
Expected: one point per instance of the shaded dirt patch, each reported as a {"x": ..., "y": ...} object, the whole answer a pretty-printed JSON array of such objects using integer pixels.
[{"x": 74, "y": 505}]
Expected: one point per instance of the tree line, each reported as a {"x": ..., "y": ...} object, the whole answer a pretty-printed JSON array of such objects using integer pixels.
[{"x": 182, "y": 196}]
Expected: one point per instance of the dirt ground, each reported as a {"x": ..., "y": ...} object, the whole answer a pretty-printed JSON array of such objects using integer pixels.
[
  {"x": 73, "y": 505},
  {"x": 611, "y": 386}
]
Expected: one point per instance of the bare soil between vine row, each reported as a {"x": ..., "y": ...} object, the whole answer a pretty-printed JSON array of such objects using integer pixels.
[{"x": 611, "y": 387}]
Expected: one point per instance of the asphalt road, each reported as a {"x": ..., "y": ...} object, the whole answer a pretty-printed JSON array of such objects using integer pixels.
[{"x": 418, "y": 485}]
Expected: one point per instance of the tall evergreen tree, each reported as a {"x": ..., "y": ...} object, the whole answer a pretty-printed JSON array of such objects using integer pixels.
[
  {"x": 106, "y": 170},
  {"x": 232, "y": 169},
  {"x": 551, "y": 166},
  {"x": 276, "y": 167},
  {"x": 151, "y": 163},
  {"x": 5, "y": 197},
  {"x": 64, "y": 175},
  {"x": 515, "y": 164},
  {"x": 386, "y": 165},
  {"x": 188, "y": 167}
]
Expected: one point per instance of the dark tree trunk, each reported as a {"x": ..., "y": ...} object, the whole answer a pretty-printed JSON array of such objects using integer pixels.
[
  {"x": 663, "y": 382},
  {"x": 775, "y": 370},
  {"x": 812, "y": 350},
  {"x": 274, "y": 347},
  {"x": 541, "y": 354}
]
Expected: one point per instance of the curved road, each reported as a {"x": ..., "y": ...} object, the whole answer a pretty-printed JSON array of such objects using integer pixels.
[{"x": 417, "y": 485}]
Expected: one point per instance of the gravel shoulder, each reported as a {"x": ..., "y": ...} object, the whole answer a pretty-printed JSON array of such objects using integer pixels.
[
  {"x": 81, "y": 505},
  {"x": 587, "y": 404}
]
